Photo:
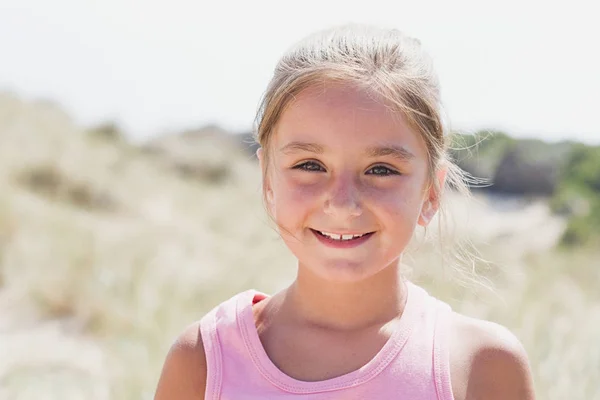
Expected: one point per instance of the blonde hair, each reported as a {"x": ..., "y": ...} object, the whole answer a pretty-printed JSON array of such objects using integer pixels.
[{"x": 386, "y": 62}]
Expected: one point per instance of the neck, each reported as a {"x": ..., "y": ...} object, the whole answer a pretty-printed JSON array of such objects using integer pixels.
[{"x": 347, "y": 305}]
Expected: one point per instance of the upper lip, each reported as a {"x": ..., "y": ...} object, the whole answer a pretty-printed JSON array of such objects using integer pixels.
[{"x": 342, "y": 232}]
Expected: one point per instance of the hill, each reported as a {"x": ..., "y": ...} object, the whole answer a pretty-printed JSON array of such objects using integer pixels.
[{"x": 108, "y": 249}]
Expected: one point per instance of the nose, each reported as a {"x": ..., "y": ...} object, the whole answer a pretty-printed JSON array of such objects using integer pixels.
[{"x": 343, "y": 198}]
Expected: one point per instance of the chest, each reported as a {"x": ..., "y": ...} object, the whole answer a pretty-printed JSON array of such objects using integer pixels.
[{"x": 313, "y": 354}]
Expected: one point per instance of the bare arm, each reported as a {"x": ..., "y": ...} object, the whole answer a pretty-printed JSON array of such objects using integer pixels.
[
  {"x": 183, "y": 375},
  {"x": 488, "y": 363}
]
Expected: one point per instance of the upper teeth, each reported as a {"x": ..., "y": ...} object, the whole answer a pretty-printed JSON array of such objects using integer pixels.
[{"x": 341, "y": 237}]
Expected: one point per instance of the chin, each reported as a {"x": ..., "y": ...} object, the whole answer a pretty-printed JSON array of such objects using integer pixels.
[{"x": 344, "y": 271}]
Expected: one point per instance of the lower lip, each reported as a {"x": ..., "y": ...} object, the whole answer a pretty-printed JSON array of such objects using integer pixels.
[{"x": 342, "y": 244}]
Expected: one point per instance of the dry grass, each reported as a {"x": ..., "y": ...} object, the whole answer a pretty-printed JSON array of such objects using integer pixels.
[{"x": 91, "y": 297}]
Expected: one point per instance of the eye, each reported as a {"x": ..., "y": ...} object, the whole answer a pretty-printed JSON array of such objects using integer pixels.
[
  {"x": 381, "y": 170},
  {"x": 309, "y": 166}
]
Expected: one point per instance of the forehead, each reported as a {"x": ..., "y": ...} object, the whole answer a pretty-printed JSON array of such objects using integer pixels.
[{"x": 337, "y": 115}]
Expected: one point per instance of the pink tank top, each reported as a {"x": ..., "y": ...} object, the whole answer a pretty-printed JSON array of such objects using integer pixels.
[{"x": 413, "y": 364}]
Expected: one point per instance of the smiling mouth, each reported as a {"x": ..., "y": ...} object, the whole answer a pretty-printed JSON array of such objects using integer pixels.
[{"x": 341, "y": 237}]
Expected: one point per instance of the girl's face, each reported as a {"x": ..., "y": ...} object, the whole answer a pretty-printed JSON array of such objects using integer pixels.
[{"x": 342, "y": 163}]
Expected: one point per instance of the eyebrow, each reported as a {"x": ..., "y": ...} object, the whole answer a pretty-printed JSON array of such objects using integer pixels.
[
  {"x": 398, "y": 152},
  {"x": 294, "y": 147}
]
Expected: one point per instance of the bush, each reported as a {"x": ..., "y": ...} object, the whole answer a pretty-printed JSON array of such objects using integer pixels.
[
  {"x": 583, "y": 230},
  {"x": 53, "y": 184},
  {"x": 109, "y": 131},
  {"x": 579, "y": 196},
  {"x": 521, "y": 167},
  {"x": 583, "y": 168},
  {"x": 518, "y": 173},
  {"x": 479, "y": 154}
]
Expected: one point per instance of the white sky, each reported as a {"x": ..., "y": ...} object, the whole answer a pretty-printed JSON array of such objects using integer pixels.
[{"x": 529, "y": 67}]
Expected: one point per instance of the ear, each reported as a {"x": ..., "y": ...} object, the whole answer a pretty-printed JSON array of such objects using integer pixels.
[
  {"x": 259, "y": 155},
  {"x": 265, "y": 180},
  {"x": 431, "y": 202}
]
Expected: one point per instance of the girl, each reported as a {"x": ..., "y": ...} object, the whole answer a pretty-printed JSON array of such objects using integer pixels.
[{"x": 353, "y": 155}]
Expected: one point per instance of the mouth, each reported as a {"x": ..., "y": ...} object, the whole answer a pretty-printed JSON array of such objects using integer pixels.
[{"x": 342, "y": 240}]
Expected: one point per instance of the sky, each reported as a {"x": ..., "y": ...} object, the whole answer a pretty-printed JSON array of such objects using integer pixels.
[{"x": 528, "y": 67}]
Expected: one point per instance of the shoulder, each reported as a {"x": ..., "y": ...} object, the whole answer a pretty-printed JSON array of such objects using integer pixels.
[
  {"x": 184, "y": 372},
  {"x": 487, "y": 361}
]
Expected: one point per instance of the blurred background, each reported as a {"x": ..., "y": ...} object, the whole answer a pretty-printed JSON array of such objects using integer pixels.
[{"x": 130, "y": 196}]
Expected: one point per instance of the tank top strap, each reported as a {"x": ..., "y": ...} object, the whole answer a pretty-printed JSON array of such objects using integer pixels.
[
  {"x": 219, "y": 327},
  {"x": 441, "y": 351},
  {"x": 212, "y": 354}
]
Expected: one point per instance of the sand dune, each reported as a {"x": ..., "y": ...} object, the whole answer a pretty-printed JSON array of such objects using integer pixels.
[{"x": 108, "y": 249}]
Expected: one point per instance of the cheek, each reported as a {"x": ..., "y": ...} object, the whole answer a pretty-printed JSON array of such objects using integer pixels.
[
  {"x": 291, "y": 196},
  {"x": 402, "y": 203}
]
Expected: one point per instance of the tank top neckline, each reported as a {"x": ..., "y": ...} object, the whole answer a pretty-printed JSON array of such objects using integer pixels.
[{"x": 390, "y": 350}]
